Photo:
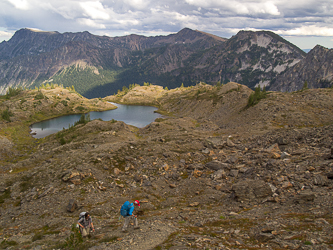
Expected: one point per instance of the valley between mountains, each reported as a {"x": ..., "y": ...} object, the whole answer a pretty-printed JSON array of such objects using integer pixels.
[{"x": 217, "y": 172}]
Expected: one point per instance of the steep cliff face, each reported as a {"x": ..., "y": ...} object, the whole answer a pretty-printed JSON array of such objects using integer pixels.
[
  {"x": 250, "y": 58},
  {"x": 316, "y": 70}
]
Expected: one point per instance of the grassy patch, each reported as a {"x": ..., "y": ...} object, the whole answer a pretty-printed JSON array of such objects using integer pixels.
[
  {"x": 24, "y": 186},
  {"x": 6, "y": 244},
  {"x": 88, "y": 180},
  {"x": 5, "y": 195},
  {"x": 109, "y": 239},
  {"x": 38, "y": 236},
  {"x": 160, "y": 120},
  {"x": 20, "y": 136},
  {"x": 45, "y": 230},
  {"x": 299, "y": 216},
  {"x": 303, "y": 226},
  {"x": 20, "y": 170},
  {"x": 167, "y": 243}
]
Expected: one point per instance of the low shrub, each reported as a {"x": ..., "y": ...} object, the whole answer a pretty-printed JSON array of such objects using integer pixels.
[
  {"x": 64, "y": 102},
  {"x": 37, "y": 236},
  {"x": 13, "y": 92},
  {"x": 80, "y": 108},
  {"x": 62, "y": 141},
  {"x": 39, "y": 96},
  {"x": 6, "y": 114},
  {"x": 83, "y": 119},
  {"x": 256, "y": 96},
  {"x": 5, "y": 195},
  {"x": 6, "y": 244},
  {"x": 75, "y": 239}
]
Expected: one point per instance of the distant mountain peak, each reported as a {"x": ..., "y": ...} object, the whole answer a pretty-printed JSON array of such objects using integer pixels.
[
  {"x": 316, "y": 69},
  {"x": 32, "y": 30}
]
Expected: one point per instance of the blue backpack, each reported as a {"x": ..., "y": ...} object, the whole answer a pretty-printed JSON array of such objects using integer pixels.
[{"x": 124, "y": 210}]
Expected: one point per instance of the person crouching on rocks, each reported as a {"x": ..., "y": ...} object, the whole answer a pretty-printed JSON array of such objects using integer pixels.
[
  {"x": 126, "y": 211},
  {"x": 85, "y": 225}
]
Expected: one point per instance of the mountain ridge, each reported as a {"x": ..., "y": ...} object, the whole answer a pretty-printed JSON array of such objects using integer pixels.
[{"x": 31, "y": 58}]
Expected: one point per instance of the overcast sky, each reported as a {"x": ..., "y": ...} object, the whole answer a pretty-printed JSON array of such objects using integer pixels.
[{"x": 304, "y": 23}]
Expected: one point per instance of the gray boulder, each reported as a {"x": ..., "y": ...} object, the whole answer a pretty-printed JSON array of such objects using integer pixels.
[
  {"x": 72, "y": 206},
  {"x": 305, "y": 197},
  {"x": 251, "y": 190},
  {"x": 320, "y": 180},
  {"x": 217, "y": 165}
]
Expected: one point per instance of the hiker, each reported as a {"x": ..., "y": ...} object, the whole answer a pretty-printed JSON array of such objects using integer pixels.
[
  {"x": 127, "y": 212},
  {"x": 85, "y": 224}
]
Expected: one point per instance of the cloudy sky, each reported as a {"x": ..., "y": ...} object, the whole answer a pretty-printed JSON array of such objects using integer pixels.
[{"x": 304, "y": 23}]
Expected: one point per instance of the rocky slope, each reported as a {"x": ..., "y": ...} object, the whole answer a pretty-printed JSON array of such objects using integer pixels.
[
  {"x": 212, "y": 175},
  {"x": 316, "y": 70},
  {"x": 99, "y": 66}
]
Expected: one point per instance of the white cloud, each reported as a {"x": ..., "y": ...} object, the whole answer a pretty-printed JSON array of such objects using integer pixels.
[
  {"x": 95, "y": 10},
  {"x": 269, "y": 8},
  {"x": 66, "y": 9},
  {"x": 4, "y": 35},
  {"x": 139, "y": 4},
  {"x": 128, "y": 22},
  {"x": 20, "y": 4},
  {"x": 91, "y": 23},
  {"x": 307, "y": 31},
  {"x": 238, "y": 7}
]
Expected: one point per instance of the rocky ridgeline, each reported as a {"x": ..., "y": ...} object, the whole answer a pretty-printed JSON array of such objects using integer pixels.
[
  {"x": 99, "y": 65},
  {"x": 315, "y": 70},
  {"x": 203, "y": 182}
]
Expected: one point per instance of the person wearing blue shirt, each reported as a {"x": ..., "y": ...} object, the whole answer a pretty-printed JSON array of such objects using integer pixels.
[{"x": 130, "y": 215}]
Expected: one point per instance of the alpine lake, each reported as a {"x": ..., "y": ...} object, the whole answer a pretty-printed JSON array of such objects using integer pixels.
[{"x": 138, "y": 116}]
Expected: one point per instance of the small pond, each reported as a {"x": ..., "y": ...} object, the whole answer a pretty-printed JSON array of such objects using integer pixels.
[{"x": 138, "y": 116}]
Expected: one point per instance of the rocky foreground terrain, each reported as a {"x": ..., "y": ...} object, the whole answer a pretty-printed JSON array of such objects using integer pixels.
[{"x": 213, "y": 174}]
